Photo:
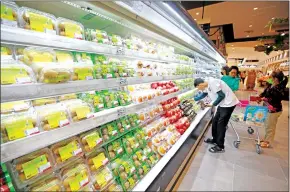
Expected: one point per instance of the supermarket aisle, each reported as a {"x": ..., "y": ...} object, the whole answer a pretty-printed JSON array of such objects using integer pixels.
[{"x": 241, "y": 169}]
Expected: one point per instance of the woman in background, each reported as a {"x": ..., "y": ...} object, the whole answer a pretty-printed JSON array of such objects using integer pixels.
[
  {"x": 243, "y": 76},
  {"x": 232, "y": 80}
]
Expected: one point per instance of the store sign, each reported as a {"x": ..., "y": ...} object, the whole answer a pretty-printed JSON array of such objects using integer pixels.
[{"x": 205, "y": 27}]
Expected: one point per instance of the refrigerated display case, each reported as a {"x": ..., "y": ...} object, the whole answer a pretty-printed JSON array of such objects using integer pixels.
[{"x": 91, "y": 76}]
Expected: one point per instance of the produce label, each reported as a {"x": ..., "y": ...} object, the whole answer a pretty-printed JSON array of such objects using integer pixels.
[
  {"x": 55, "y": 119},
  {"x": 45, "y": 57},
  {"x": 82, "y": 112},
  {"x": 127, "y": 166},
  {"x": 10, "y": 75},
  {"x": 93, "y": 139},
  {"x": 6, "y": 13},
  {"x": 132, "y": 182},
  {"x": 139, "y": 155},
  {"x": 84, "y": 73},
  {"x": 39, "y": 22},
  {"x": 72, "y": 30},
  {"x": 64, "y": 57},
  {"x": 145, "y": 168},
  {"x": 17, "y": 128},
  {"x": 103, "y": 177},
  {"x": 35, "y": 166},
  {"x": 16, "y": 106},
  {"x": 79, "y": 181},
  {"x": 68, "y": 150},
  {"x": 98, "y": 160}
]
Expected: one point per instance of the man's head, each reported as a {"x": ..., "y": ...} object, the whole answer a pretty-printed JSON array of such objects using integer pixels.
[
  {"x": 233, "y": 71},
  {"x": 200, "y": 84}
]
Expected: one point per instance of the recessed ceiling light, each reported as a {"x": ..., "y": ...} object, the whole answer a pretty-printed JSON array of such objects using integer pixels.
[
  {"x": 268, "y": 46},
  {"x": 232, "y": 45},
  {"x": 250, "y": 25},
  {"x": 233, "y": 48},
  {"x": 195, "y": 19},
  {"x": 273, "y": 17},
  {"x": 282, "y": 34},
  {"x": 248, "y": 35},
  {"x": 197, "y": 13},
  {"x": 255, "y": 8},
  {"x": 256, "y": 45}
]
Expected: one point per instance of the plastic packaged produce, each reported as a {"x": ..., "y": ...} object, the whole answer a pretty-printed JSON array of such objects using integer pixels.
[
  {"x": 67, "y": 150},
  {"x": 140, "y": 136},
  {"x": 82, "y": 72},
  {"x": 134, "y": 120},
  {"x": 97, "y": 36},
  {"x": 15, "y": 106},
  {"x": 130, "y": 144},
  {"x": 35, "y": 20},
  {"x": 82, "y": 57},
  {"x": 123, "y": 167},
  {"x": 129, "y": 183},
  {"x": 109, "y": 131},
  {"x": 53, "y": 73},
  {"x": 9, "y": 14},
  {"x": 94, "y": 98},
  {"x": 113, "y": 186},
  {"x": 115, "y": 149},
  {"x": 49, "y": 183},
  {"x": 52, "y": 116},
  {"x": 16, "y": 74},
  {"x": 64, "y": 57},
  {"x": 111, "y": 99},
  {"x": 124, "y": 98},
  {"x": 30, "y": 167},
  {"x": 67, "y": 97},
  {"x": 75, "y": 176},
  {"x": 97, "y": 160},
  {"x": 102, "y": 178},
  {"x": 70, "y": 28},
  {"x": 78, "y": 110},
  {"x": 116, "y": 40},
  {"x": 16, "y": 126},
  {"x": 123, "y": 124},
  {"x": 91, "y": 140},
  {"x": 44, "y": 101},
  {"x": 6, "y": 52},
  {"x": 38, "y": 55}
]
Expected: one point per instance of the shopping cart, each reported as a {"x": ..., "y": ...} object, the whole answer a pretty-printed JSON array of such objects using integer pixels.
[{"x": 248, "y": 114}]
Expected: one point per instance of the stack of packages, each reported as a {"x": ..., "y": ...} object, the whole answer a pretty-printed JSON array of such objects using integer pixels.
[{"x": 5, "y": 181}]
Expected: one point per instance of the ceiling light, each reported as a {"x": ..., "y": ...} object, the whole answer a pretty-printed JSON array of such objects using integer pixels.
[
  {"x": 282, "y": 34},
  {"x": 250, "y": 25},
  {"x": 255, "y": 8},
  {"x": 197, "y": 13},
  {"x": 232, "y": 45},
  {"x": 195, "y": 19},
  {"x": 262, "y": 33},
  {"x": 268, "y": 46},
  {"x": 273, "y": 17},
  {"x": 233, "y": 48},
  {"x": 248, "y": 35}
]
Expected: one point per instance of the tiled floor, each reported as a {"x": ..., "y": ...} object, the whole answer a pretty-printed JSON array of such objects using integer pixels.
[{"x": 242, "y": 169}]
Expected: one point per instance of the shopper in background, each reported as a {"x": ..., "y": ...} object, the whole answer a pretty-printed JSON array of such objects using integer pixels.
[
  {"x": 232, "y": 80},
  {"x": 251, "y": 80},
  {"x": 225, "y": 70},
  {"x": 243, "y": 76},
  {"x": 272, "y": 97},
  {"x": 226, "y": 100}
]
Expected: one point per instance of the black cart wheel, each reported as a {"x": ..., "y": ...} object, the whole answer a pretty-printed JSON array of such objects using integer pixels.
[
  {"x": 236, "y": 144},
  {"x": 250, "y": 130},
  {"x": 258, "y": 149}
]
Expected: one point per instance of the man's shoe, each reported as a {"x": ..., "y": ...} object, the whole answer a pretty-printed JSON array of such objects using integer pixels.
[
  {"x": 209, "y": 141},
  {"x": 216, "y": 149}
]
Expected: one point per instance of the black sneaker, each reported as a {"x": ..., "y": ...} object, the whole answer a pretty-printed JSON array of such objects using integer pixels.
[
  {"x": 216, "y": 149},
  {"x": 209, "y": 141}
]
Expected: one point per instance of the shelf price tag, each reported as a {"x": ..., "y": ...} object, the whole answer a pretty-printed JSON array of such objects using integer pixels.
[
  {"x": 123, "y": 82},
  {"x": 120, "y": 50},
  {"x": 137, "y": 6},
  {"x": 121, "y": 112}
]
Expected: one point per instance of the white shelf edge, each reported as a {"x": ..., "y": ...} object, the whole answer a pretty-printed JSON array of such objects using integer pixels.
[
  {"x": 17, "y": 148},
  {"x": 39, "y": 90},
  {"x": 154, "y": 172},
  {"x": 19, "y": 36}
]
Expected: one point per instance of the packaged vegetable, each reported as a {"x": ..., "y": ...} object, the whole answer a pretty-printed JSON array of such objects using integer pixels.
[
  {"x": 16, "y": 126},
  {"x": 143, "y": 170},
  {"x": 19, "y": 52},
  {"x": 32, "y": 166},
  {"x": 113, "y": 186},
  {"x": 82, "y": 72},
  {"x": 78, "y": 110},
  {"x": 134, "y": 120},
  {"x": 38, "y": 55},
  {"x": 129, "y": 183},
  {"x": 53, "y": 73},
  {"x": 52, "y": 116},
  {"x": 91, "y": 140},
  {"x": 9, "y": 14},
  {"x": 15, "y": 106},
  {"x": 35, "y": 20},
  {"x": 140, "y": 136},
  {"x": 75, "y": 176},
  {"x": 123, "y": 124},
  {"x": 102, "y": 178},
  {"x": 67, "y": 97},
  {"x": 97, "y": 36},
  {"x": 51, "y": 182},
  {"x": 107, "y": 71},
  {"x": 123, "y": 167},
  {"x": 130, "y": 143},
  {"x": 124, "y": 98},
  {"x": 97, "y": 160},
  {"x": 94, "y": 98},
  {"x": 111, "y": 100},
  {"x": 43, "y": 101},
  {"x": 16, "y": 74},
  {"x": 67, "y": 150},
  {"x": 64, "y": 57},
  {"x": 109, "y": 131},
  {"x": 115, "y": 149},
  {"x": 70, "y": 28},
  {"x": 116, "y": 40},
  {"x": 82, "y": 57},
  {"x": 6, "y": 53}
]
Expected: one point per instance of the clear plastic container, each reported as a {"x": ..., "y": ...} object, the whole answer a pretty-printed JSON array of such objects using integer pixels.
[
  {"x": 67, "y": 150},
  {"x": 30, "y": 167},
  {"x": 51, "y": 182},
  {"x": 35, "y": 20},
  {"x": 111, "y": 99},
  {"x": 129, "y": 183},
  {"x": 109, "y": 131},
  {"x": 75, "y": 176},
  {"x": 82, "y": 57},
  {"x": 52, "y": 73},
  {"x": 9, "y": 14},
  {"x": 97, "y": 160},
  {"x": 19, "y": 52},
  {"x": 115, "y": 149},
  {"x": 67, "y": 97},
  {"x": 52, "y": 116},
  {"x": 15, "y": 106},
  {"x": 91, "y": 140},
  {"x": 16, "y": 73},
  {"x": 19, "y": 125},
  {"x": 82, "y": 72},
  {"x": 64, "y": 57},
  {"x": 38, "y": 55},
  {"x": 113, "y": 187},
  {"x": 130, "y": 143},
  {"x": 6, "y": 53},
  {"x": 44, "y": 101},
  {"x": 123, "y": 167},
  {"x": 102, "y": 179},
  {"x": 116, "y": 40},
  {"x": 70, "y": 28},
  {"x": 78, "y": 110},
  {"x": 97, "y": 36}
]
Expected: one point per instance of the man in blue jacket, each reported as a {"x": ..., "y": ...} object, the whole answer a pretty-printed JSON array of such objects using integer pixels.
[{"x": 226, "y": 100}]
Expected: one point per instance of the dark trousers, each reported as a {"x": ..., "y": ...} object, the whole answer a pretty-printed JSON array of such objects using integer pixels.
[{"x": 219, "y": 124}]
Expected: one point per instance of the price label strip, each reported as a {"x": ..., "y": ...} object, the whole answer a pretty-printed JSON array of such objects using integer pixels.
[
  {"x": 121, "y": 112},
  {"x": 123, "y": 82},
  {"x": 120, "y": 50}
]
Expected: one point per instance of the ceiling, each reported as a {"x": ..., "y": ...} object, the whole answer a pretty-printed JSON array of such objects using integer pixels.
[{"x": 246, "y": 22}]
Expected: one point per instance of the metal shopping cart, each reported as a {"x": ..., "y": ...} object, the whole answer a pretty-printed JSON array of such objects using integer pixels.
[{"x": 253, "y": 115}]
